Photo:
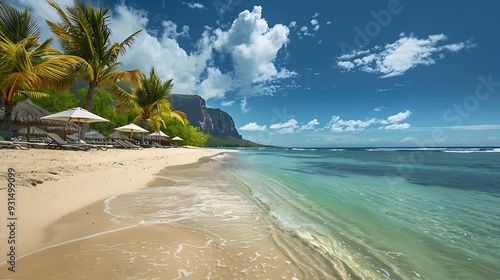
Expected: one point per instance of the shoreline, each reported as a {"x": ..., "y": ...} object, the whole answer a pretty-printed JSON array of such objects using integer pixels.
[
  {"x": 69, "y": 187},
  {"x": 89, "y": 242}
]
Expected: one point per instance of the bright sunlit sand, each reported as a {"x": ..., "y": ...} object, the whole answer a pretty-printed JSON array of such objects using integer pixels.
[{"x": 64, "y": 228}]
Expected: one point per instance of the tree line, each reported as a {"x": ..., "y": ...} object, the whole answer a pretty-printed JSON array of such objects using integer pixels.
[{"x": 36, "y": 69}]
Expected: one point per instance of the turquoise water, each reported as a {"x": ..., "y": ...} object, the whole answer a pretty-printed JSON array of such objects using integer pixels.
[
  {"x": 339, "y": 214},
  {"x": 381, "y": 213}
]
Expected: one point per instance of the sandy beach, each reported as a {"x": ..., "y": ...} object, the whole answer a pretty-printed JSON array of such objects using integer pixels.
[{"x": 62, "y": 231}]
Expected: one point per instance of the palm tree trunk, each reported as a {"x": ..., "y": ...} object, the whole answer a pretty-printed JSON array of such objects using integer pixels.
[
  {"x": 88, "y": 107},
  {"x": 9, "y": 107}
]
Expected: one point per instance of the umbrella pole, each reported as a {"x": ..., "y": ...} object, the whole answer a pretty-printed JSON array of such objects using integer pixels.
[
  {"x": 28, "y": 134},
  {"x": 79, "y": 131}
]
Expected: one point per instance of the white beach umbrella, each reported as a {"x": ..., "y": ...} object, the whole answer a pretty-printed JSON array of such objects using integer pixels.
[
  {"x": 77, "y": 115},
  {"x": 131, "y": 128},
  {"x": 177, "y": 138},
  {"x": 158, "y": 135}
]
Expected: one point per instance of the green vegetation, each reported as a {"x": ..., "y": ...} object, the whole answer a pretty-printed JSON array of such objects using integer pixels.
[
  {"x": 149, "y": 101},
  {"x": 58, "y": 101},
  {"x": 27, "y": 65},
  {"x": 84, "y": 32},
  {"x": 191, "y": 135},
  {"x": 38, "y": 70}
]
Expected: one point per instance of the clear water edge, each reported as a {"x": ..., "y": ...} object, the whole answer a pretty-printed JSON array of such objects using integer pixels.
[{"x": 343, "y": 214}]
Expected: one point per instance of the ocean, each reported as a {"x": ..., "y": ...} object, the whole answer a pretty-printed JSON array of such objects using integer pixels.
[{"x": 341, "y": 213}]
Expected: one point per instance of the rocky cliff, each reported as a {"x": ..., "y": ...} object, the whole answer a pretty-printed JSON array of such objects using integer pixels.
[{"x": 211, "y": 121}]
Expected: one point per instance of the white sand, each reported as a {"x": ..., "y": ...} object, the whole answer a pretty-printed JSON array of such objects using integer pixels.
[{"x": 51, "y": 184}]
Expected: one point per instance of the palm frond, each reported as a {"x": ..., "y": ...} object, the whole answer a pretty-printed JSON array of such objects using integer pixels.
[
  {"x": 17, "y": 25},
  {"x": 179, "y": 115}
]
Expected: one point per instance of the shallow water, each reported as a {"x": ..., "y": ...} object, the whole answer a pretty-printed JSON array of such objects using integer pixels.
[{"x": 385, "y": 214}]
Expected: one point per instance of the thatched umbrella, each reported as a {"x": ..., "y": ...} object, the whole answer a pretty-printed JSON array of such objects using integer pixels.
[
  {"x": 117, "y": 135},
  {"x": 26, "y": 113},
  {"x": 32, "y": 131}
]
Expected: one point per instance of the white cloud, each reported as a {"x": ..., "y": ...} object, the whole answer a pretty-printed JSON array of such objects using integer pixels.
[
  {"x": 337, "y": 124},
  {"x": 395, "y": 59},
  {"x": 346, "y": 65},
  {"x": 160, "y": 49},
  {"x": 310, "y": 125},
  {"x": 253, "y": 127},
  {"x": 195, "y": 5},
  {"x": 395, "y": 126},
  {"x": 251, "y": 44},
  {"x": 401, "y": 116},
  {"x": 314, "y": 21},
  {"x": 379, "y": 108},
  {"x": 215, "y": 85},
  {"x": 287, "y": 127},
  {"x": 227, "y": 103},
  {"x": 244, "y": 105},
  {"x": 170, "y": 30},
  {"x": 253, "y": 47},
  {"x": 292, "y": 24}
]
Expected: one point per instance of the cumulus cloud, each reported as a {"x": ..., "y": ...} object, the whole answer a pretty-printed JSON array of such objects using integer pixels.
[
  {"x": 287, "y": 127},
  {"x": 170, "y": 30},
  {"x": 401, "y": 116},
  {"x": 395, "y": 59},
  {"x": 310, "y": 125},
  {"x": 250, "y": 43},
  {"x": 253, "y": 126},
  {"x": 337, "y": 124},
  {"x": 215, "y": 85},
  {"x": 253, "y": 47}
]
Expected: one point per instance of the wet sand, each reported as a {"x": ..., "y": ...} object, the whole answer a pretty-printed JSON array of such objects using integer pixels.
[{"x": 65, "y": 230}]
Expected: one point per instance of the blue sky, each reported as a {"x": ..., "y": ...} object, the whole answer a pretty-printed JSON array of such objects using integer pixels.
[{"x": 326, "y": 73}]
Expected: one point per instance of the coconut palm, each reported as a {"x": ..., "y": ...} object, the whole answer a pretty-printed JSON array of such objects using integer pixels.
[
  {"x": 149, "y": 101},
  {"x": 27, "y": 65},
  {"x": 84, "y": 32}
]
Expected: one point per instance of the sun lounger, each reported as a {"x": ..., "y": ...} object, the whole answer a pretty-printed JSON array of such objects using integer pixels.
[
  {"x": 126, "y": 144},
  {"x": 74, "y": 141},
  {"x": 157, "y": 145},
  {"x": 12, "y": 144},
  {"x": 59, "y": 143}
]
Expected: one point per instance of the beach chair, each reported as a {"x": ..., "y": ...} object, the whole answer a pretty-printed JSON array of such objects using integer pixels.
[
  {"x": 157, "y": 145},
  {"x": 120, "y": 144},
  {"x": 8, "y": 144},
  {"x": 59, "y": 143},
  {"x": 74, "y": 140},
  {"x": 126, "y": 144}
]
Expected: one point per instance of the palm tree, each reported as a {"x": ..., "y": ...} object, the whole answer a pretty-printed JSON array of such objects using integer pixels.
[
  {"x": 27, "y": 65},
  {"x": 84, "y": 32},
  {"x": 149, "y": 101}
]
